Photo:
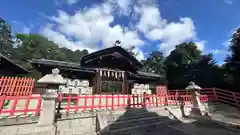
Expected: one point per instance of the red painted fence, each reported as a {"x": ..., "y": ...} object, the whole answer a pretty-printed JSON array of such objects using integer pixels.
[
  {"x": 15, "y": 86},
  {"x": 214, "y": 94},
  {"x": 23, "y": 109},
  {"x": 101, "y": 102}
]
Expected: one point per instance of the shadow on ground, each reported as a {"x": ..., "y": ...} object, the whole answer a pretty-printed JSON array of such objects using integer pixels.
[
  {"x": 224, "y": 109},
  {"x": 158, "y": 121}
]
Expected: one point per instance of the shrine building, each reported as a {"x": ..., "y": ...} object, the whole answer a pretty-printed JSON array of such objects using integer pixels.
[
  {"x": 111, "y": 70},
  {"x": 9, "y": 68}
]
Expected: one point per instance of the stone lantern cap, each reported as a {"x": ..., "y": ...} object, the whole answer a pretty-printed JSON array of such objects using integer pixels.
[
  {"x": 192, "y": 86},
  {"x": 53, "y": 78}
]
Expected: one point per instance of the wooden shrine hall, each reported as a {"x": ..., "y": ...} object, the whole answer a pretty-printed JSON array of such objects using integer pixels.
[
  {"x": 9, "y": 68},
  {"x": 111, "y": 70}
]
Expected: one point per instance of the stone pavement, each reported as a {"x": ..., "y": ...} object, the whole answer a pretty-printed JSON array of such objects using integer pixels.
[
  {"x": 82, "y": 126},
  {"x": 224, "y": 113},
  {"x": 31, "y": 129},
  {"x": 223, "y": 119}
]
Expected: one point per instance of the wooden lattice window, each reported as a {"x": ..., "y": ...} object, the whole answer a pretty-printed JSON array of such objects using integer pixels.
[{"x": 111, "y": 87}]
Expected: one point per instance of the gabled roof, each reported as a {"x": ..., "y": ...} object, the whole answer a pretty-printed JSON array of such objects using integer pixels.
[
  {"x": 115, "y": 51},
  {"x": 55, "y": 63},
  {"x": 60, "y": 64},
  {"x": 16, "y": 67}
]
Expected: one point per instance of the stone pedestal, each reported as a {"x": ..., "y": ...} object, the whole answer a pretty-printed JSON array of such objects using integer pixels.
[
  {"x": 193, "y": 88},
  {"x": 47, "y": 114},
  {"x": 51, "y": 83},
  {"x": 196, "y": 103}
]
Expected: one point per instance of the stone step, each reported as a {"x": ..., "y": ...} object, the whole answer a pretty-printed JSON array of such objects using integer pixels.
[
  {"x": 133, "y": 116},
  {"x": 137, "y": 122},
  {"x": 158, "y": 128},
  {"x": 136, "y": 111}
]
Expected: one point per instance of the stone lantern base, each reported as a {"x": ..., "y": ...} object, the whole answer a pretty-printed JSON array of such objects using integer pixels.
[{"x": 195, "y": 112}]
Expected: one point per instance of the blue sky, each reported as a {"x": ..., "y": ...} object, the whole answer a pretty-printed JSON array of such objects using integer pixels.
[{"x": 146, "y": 24}]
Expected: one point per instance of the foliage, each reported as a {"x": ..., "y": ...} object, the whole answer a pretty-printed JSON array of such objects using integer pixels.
[
  {"x": 5, "y": 38},
  {"x": 232, "y": 65},
  {"x": 181, "y": 63},
  {"x": 37, "y": 46},
  {"x": 155, "y": 63}
]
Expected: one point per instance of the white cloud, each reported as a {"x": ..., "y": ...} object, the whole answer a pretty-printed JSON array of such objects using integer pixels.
[
  {"x": 63, "y": 41},
  {"x": 71, "y": 2},
  {"x": 169, "y": 33},
  {"x": 139, "y": 53},
  {"x": 226, "y": 43},
  {"x": 128, "y": 8},
  {"x": 89, "y": 27},
  {"x": 201, "y": 44},
  {"x": 219, "y": 51},
  {"x": 228, "y": 2},
  {"x": 95, "y": 24},
  {"x": 26, "y": 30}
]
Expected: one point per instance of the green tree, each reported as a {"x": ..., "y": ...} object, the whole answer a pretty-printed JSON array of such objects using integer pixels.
[
  {"x": 38, "y": 47},
  {"x": 155, "y": 63},
  {"x": 179, "y": 65},
  {"x": 6, "y": 44},
  {"x": 206, "y": 72},
  {"x": 232, "y": 65}
]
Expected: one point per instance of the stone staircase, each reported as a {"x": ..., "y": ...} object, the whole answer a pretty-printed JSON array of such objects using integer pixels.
[{"x": 139, "y": 121}]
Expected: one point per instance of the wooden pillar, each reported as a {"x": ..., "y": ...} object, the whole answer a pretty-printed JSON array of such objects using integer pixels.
[
  {"x": 125, "y": 84},
  {"x": 98, "y": 81}
]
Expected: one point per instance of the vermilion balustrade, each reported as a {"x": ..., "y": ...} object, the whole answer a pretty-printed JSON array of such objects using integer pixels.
[
  {"x": 24, "y": 108},
  {"x": 15, "y": 86},
  {"x": 214, "y": 94},
  {"x": 102, "y": 102}
]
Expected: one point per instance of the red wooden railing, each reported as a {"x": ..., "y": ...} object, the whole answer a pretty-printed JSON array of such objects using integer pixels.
[
  {"x": 23, "y": 109},
  {"x": 228, "y": 97},
  {"x": 15, "y": 86},
  {"x": 214, "y": 94},
  {"x": 102, "y": 102},
  {"x": 111, "y": 102}
]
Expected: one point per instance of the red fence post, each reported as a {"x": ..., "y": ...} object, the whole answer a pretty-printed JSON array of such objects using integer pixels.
[
  {"x": 15, "y": 100},
  {"x": 106, "y": 96},
  {"x": 26, "y": 105},
  {"x": 215, "y": 94},
  {"x": 69, "y": 102},
  {"x": 92, "y": 106},
  {"x": 77, "y": 100},
  {"x": 144, "y": 99},
  {"x": 156, "y": 97},
  {"x": 85, "y": 103},
  {"x": 129, "y": 100},
  {"x": 235, "y": 98},
  {"x": 2, "y": 100},
  {"x": 112, "y": 102},
  {"x": 100, "y": 102},
  {"x": 38, "y": 109},
  {"x": 118, "y": 101}
]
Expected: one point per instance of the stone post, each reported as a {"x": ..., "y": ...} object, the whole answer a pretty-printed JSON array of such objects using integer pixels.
[
  {"x": 51, "y": 83},
  {"x": 195, "y": 111}
]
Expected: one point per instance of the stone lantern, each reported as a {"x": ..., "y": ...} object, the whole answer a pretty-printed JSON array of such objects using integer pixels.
[
  {"x": 194, "y": 90},
  {"x": 51, "y": 84}
]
